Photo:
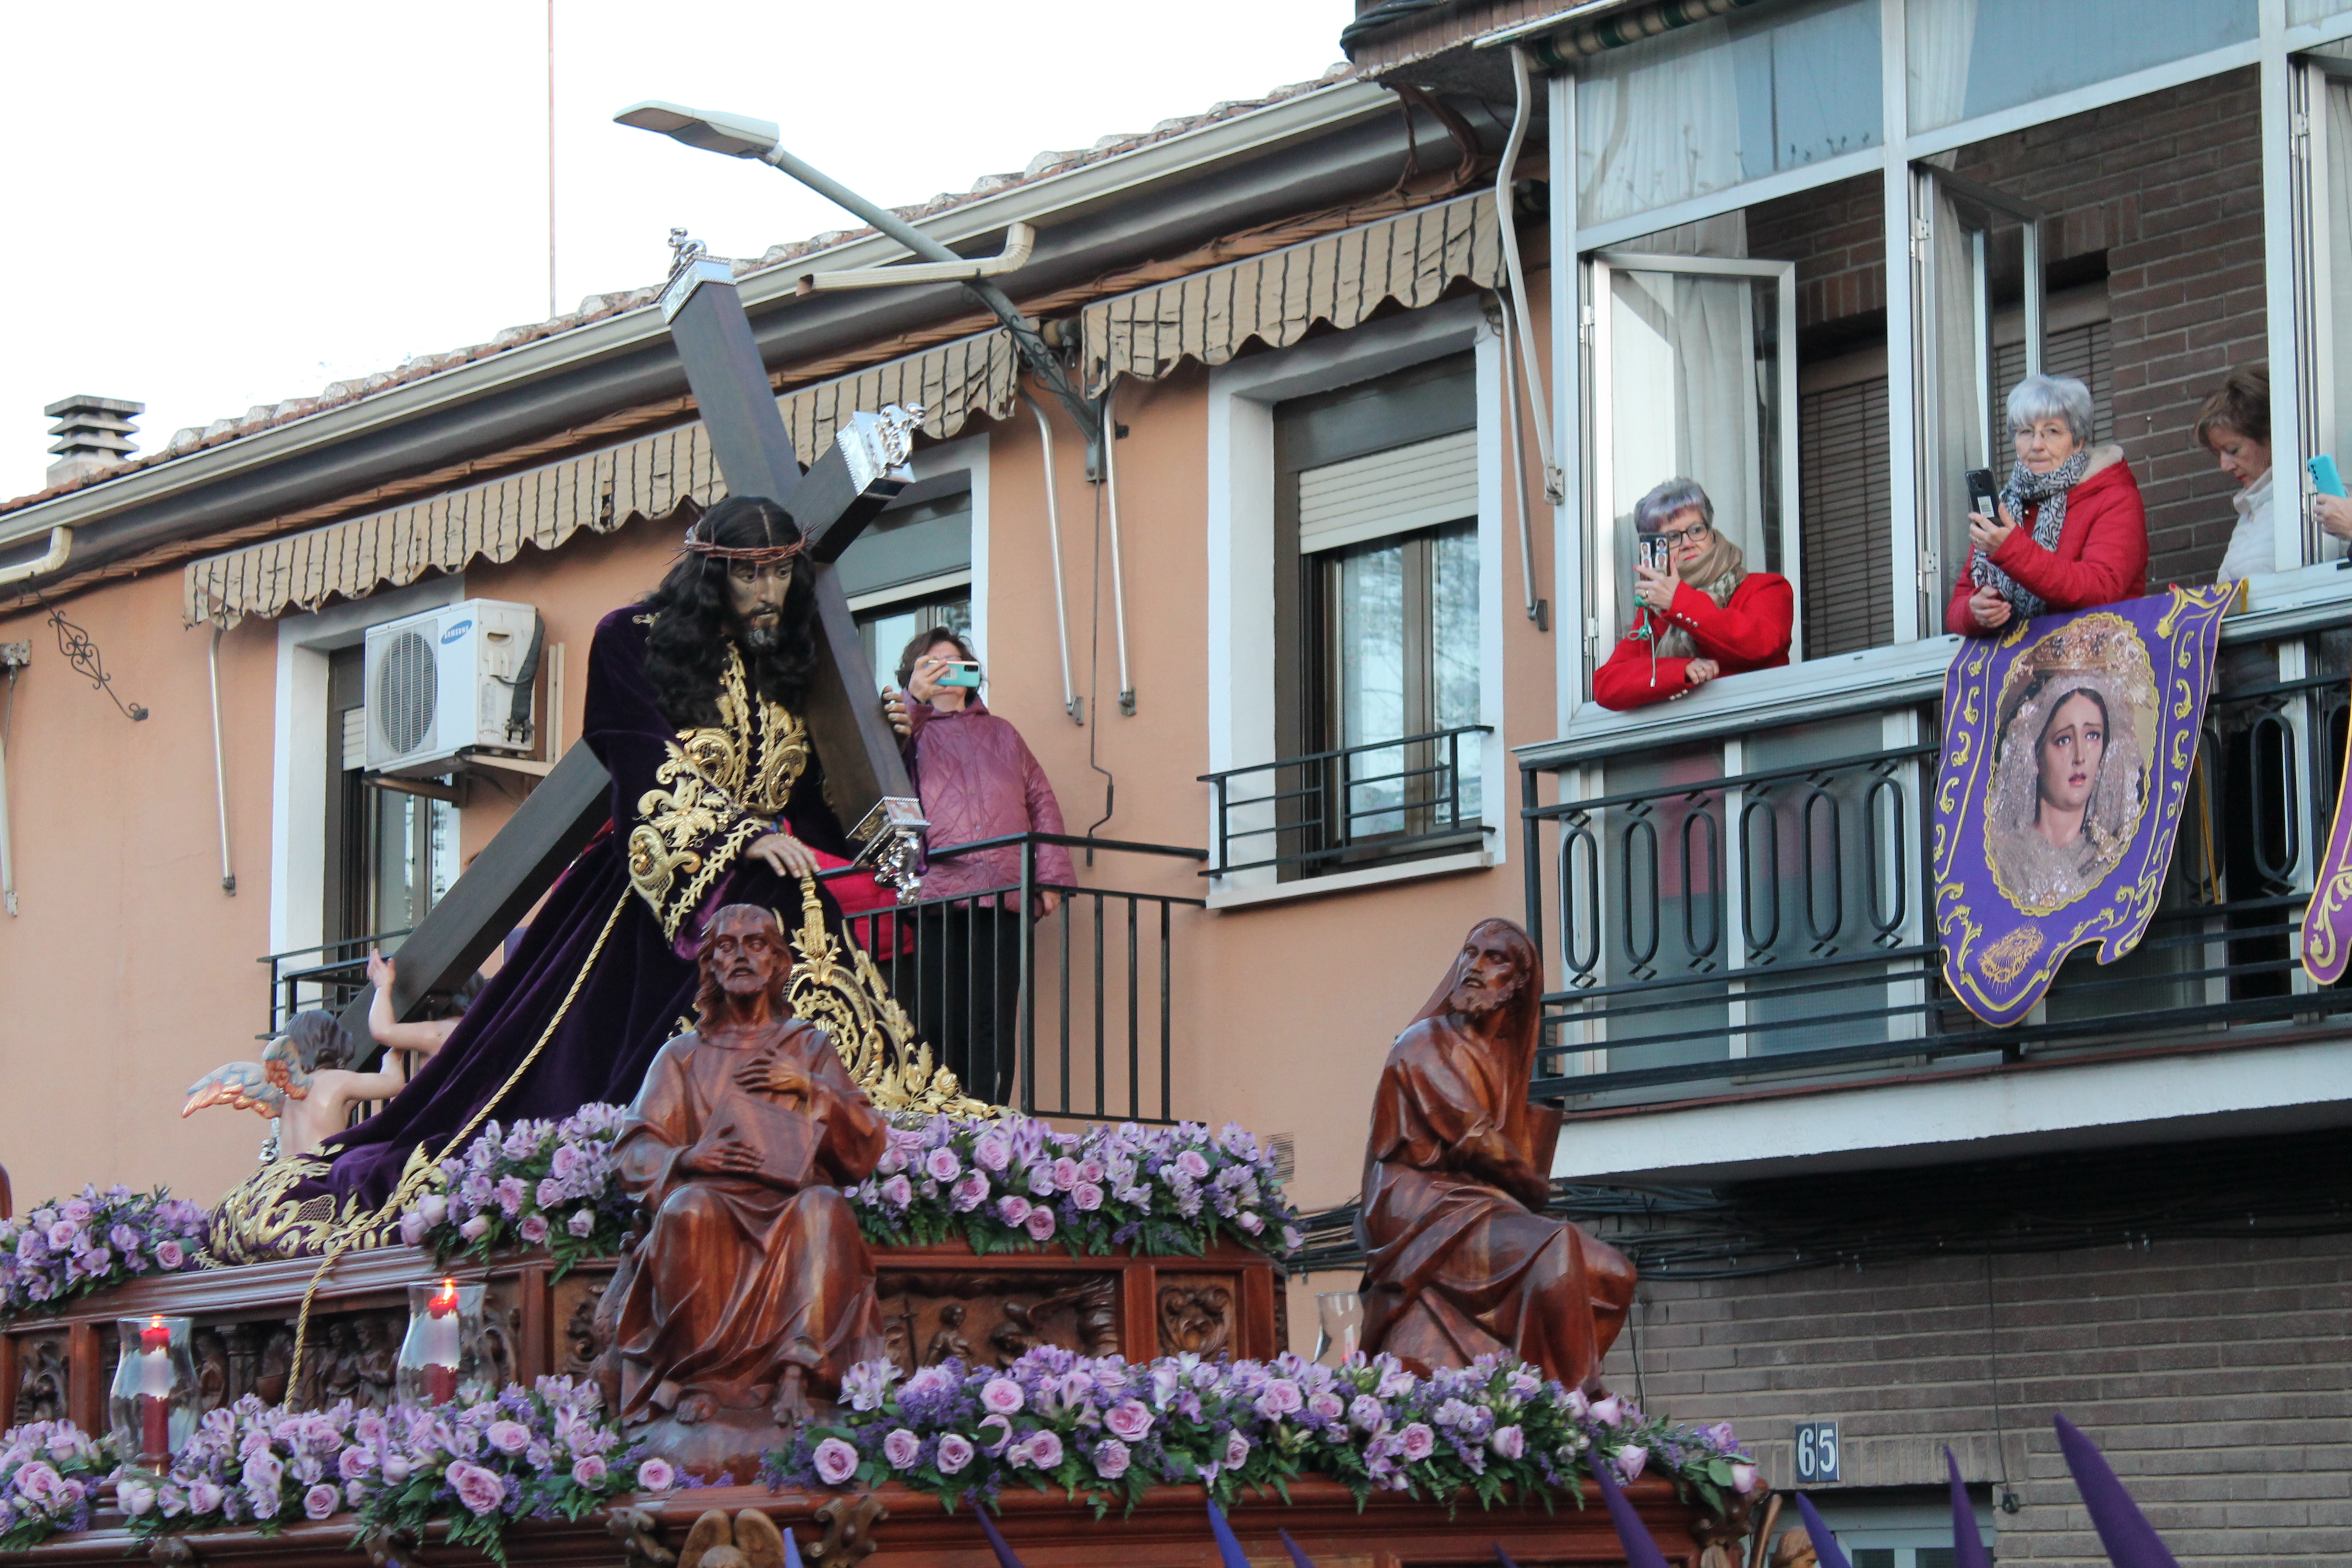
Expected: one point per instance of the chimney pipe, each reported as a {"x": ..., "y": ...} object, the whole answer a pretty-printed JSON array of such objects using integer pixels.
[{"x": 92, "y": 433}]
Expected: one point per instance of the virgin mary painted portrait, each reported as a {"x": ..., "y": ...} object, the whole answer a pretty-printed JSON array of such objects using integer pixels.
[{"x": 2070, "y": 783}]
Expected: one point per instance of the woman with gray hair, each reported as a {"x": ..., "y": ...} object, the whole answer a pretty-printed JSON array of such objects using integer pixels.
[
  {"x": 1704, "y": 616},
  {"x": 2072, "y": 531}
]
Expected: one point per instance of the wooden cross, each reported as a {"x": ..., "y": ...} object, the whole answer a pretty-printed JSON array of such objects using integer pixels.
[{"x": 851, "y": 482}]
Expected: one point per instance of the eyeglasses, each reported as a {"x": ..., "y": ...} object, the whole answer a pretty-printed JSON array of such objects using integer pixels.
[{"x": 1674, "y": 536}]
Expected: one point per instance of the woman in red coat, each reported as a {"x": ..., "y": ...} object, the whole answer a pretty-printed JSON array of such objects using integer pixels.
[
  {"x": 1706, "y": 614},
  {"x": 2072, "y": 533}
]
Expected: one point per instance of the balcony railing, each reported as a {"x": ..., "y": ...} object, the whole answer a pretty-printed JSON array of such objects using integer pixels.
[
  {"x": 328, "y": 976},
  {"x": 1710, "y": 928},
  {"x": 1322, "y": 811},
  {"x": 1074, "y": 1011}
]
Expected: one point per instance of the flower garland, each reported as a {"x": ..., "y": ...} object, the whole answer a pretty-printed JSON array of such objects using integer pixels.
[
  {"x": 1011, "y": 1183},
  {"x": 75, "y": 1246},
  {"x": 47, "y": 1470},
  {"x": 1109, "y": 1429},
  {"x": 548, "y": 1451}
]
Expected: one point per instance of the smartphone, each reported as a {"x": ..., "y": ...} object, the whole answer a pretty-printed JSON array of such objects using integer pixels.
[
  {"x": 1983, "y": 496},
  {"x": 2325, "y": 476},
  {"x": 1650, "y": 551},
  {"x": 960, "y": 672}
]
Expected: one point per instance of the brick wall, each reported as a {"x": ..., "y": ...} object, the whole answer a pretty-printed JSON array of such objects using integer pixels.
[
  {"x": 2170, "y": 187},
  {"x": 1837, "y": 237},
  {"x": 2216, "y": 1375}
]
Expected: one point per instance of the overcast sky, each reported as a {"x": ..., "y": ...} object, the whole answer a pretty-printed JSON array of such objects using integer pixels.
[{"x": 213, "y": 206}]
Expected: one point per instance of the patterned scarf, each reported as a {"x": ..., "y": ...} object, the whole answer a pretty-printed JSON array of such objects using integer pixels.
[
  {"x": 2025, "y": 488},
  {"x": 1716, "y": 573}
]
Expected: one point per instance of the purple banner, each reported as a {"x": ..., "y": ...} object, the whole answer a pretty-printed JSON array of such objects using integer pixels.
[
  {"x": 2327, "y": 921},
  {"x": 2068, "y": 746}
]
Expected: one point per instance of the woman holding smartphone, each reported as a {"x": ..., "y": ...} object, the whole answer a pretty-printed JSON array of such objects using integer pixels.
[
  {"x": 978, "y": 780},
  {"x": 1702, "y": 612}
]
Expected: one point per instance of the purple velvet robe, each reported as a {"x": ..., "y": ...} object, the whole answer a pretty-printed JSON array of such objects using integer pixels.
[{"x": 635, "y": 992}]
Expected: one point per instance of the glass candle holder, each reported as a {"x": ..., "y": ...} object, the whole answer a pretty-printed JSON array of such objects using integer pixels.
[
  {"x": 152, "y": 1405},
  {"x": 1339, "y": 1317},
  {"x": 440, "y": 1357}
]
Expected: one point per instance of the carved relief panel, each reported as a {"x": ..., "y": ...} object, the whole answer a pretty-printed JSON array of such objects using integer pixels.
[{"x": 987, "y": 1320}]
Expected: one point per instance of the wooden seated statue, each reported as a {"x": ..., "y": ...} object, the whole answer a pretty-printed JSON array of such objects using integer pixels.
[
  {"x": 1462, "y": 1260},
  {"x": 752, "y": 1290}
]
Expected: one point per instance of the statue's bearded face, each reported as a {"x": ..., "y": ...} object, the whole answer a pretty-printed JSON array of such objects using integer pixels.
[
  {"x": 755, "y": 596},
  {"x": 1490, "y": 976},
  {"x": 745, "y": 955}
]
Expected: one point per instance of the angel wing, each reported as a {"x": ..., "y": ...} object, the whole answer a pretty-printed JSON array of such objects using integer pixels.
[{"x": 240, "y": 1086}]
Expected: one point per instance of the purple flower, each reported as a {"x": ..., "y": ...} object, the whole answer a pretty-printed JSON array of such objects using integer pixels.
[
  {"x": 480, "y": 1489},
  {"x": 836, "y": 1461},
  {"x": 955, "y": 1453},
  {"x": 1110, "y": 1459},
  {"x": 1130, "y": 1419},
  {"x": 1041, "y": 1224},
  {"x": 508, "y": 1436},
  {"x": 1508, "y": 1442},
  {"x": 1365, "y": 1412},
  {"x": 588, "y": 1472},
  {"x": 901, "y": 1448},
  {"x": 1001, "y": 1397},
  {"x": 1418, "y": 1442},
  {"x": 321, "y": 1500},
  {"x": 656, "y": 1476},
  {"x": 1631, "y": 1460},
  {"x": 533, "y": 1228}
]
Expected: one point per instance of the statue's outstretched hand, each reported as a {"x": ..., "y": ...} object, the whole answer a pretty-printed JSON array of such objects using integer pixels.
[{"x": 721, "y": 1157}]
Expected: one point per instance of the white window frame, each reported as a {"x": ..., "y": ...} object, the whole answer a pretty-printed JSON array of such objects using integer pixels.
[
  {"x": 1241, "y": 609},
  {"x": 968, "y": 456},
  {"x": 298, "y": 777}
]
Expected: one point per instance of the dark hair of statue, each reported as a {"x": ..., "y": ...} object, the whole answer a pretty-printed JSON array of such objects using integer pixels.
[
  {"x": 685, "y": 647},
  {"x": 922, "y": 642},
  {"x": 319, "y": 1040}
]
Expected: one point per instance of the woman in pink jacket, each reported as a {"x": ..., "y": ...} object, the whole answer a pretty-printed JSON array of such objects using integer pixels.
[{"x": 977, "y": 781}]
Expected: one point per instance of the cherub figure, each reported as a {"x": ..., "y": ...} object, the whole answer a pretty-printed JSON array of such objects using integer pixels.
[{"x": 304, "y": 1081}]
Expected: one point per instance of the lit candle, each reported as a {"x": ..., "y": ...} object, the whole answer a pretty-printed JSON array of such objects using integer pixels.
[
  {"x": 155, "y": 1391},
  {"x": 441, "y": 1345}
]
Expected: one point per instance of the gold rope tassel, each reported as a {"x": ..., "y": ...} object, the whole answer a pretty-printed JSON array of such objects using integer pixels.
[{"x": 420, "y": 1167}]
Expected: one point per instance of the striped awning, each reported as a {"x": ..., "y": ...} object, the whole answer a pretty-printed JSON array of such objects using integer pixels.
[
  {"x": 1341, "y": 278},
  {"x": 600, "y": 491}
]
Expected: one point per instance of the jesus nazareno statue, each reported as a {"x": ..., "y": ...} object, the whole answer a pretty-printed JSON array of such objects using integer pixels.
[
  {"x": 1461, "y": 1261},
  {"x": 752, "y": 1288},
  {"x": 695, "y": 705}
]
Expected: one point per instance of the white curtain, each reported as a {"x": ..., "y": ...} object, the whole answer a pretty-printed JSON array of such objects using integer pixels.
[
  {"x": 1657, "y": 122},
  {"x": 1683, "y": 392},
  {"x": 2338, "y": 197},
  {"x": 1941, "y": 37},
  {"x": 1963, "y": 438}
]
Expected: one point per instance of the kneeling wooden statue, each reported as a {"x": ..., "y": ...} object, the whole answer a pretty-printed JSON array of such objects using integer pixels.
[{"x": 752, "y": 1290}]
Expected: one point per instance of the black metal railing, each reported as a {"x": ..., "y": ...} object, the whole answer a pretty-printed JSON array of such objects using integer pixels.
[
  {"x": 1324, "y": 810},
  {"x": 1068, "y": 1011},
  {"x": 1718, "y": 932},
  {"x": 329, "y": 975}
]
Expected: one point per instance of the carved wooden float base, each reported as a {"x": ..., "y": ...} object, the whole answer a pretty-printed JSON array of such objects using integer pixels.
[
  {"x": 1169, "y": 1528},
  {"x": 936, "y": 1301}
]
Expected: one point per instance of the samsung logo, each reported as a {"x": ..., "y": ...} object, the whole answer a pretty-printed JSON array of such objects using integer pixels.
[{"x": 454, "y": 633}]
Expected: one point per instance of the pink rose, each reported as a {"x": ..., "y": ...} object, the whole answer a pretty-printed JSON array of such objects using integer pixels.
[
  {"x": 1001, "y": 1397},
  {"x": 1237, "y": 1449},
  {"x": 1088, "y": 1196},
  {"x": 170, "y": 1255},
  {"x": 1130, "y": 1419},
  {"x": 836, "y": 1461},
  {"x": 955, "y": 1453},
  {"x": 137, "y": 1498},
  {"x": 1325, "y": 1405},
  {"x": 480, "y": 1489},
  {"x": 581, "y": 1223},
  {"x": 1190, "y": 1163},
  {"x": 1419, "y": 1441},
  {"x": 941, "y": 1164},
  {"x": 900, "y": 1447},
  {"x": 656, "y": 1476},
  {"x": 588, "y": 1472},
  {"x": 1041, "y": 1224},
  {"x": 897, "y": 1192},
  {"x": 992, "y": 1149},
  {"x": 1508, "y": 1442},
  {"x": 1012, "y": 1208},
  {"x": 321, "y": 1500},
  {"x": 475, "y": 1228},
  {"x": 412, "y": 1230},
  {"x": 508, "y": 1436},
  {"x": 1743, "y": 1478},
  {"x": 203, "y": 1497},
  {"x": 533, "y": 1228},
  {"x": 434, "y": 1208},
  {"x": 1608, "y": 1412},
  {"x": 1280, "y": 1397},
  {"x": 1090, "y": 1171},
  {"x": 1577, "y": 1404},
  {"x": 1044, "y": 1450},
  {"x": 1110, "y": 1459},
  {"x": 969, "y": 1194},
  {"x": 1066, "y": 1173},
  {"x": 1630, "y": 1461}
]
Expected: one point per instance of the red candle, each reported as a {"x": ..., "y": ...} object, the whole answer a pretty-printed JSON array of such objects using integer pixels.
[
  {"x": 155, "y": 1399},
  {"x": 441, "y": 1345}
]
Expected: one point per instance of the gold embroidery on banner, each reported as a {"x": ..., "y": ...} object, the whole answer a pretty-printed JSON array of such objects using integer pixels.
[
  {"x": 709, "y": 787},
  {"x": 2005, "y": 960},
  {"x": 255, "y": 1222},
  {"x": 849, "y": 1000}
]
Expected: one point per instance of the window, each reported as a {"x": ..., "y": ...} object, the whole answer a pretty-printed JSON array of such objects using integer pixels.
[
  {"x": 1377, "y": 604},
  {"x": 910, "y": 571},
  {"x": 1969, "y": 57},
  {"x": 391, "y": 855}
]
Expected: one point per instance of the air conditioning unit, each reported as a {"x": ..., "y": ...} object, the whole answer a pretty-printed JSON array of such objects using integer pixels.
[{"x": 450, "y": 683}]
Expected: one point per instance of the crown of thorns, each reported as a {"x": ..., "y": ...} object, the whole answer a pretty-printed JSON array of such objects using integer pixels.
[{"x": 757, "y": 555}]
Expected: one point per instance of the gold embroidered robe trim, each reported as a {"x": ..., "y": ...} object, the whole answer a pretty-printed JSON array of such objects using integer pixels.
[{"x": 721, "y": 787}]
